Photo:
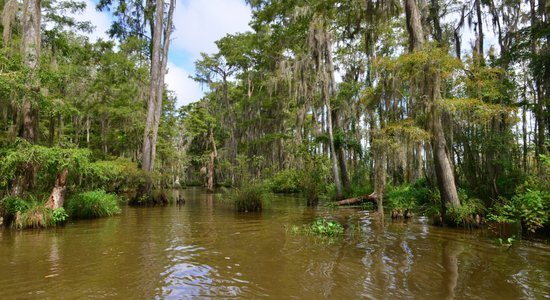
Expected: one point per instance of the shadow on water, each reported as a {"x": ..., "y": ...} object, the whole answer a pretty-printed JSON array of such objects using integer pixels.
[{"x": 204, "y": 249}]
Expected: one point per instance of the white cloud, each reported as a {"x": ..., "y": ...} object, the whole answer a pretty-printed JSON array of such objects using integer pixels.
[
  {"x": 100, "y": 20},
  {"x": 199, "y": 23},
  {"x": 186, "y": 89}
]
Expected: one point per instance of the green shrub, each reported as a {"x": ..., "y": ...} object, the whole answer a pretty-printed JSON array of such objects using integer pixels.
[
  {"x": 468, "y": 213},
  {"x": 9, "y": 206},
  {"x": 530, "y": 207},
  {"x": 248, "y": 198},
  {"x": 286, "y": 181},
  {"x": 35, "y": 216},
  {"x": 118, "y": 174},
  {"x": 315, "y": 178},
  {"x": 94, "y": 204},
  {"x": 59, "y": 215},
  {"x": 324, "y": 227},
  {"x": 401, "y": 198},
  {"x": 48, "y": 161},
  {"x": 31, "y": 213}
]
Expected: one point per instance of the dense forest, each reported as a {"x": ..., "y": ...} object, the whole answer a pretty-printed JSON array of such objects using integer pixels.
[{"x": 433, "y": 107}]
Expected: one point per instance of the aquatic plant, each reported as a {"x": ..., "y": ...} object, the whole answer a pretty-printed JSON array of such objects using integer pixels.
[
  {"x": 248, "y": 198},
  {"x": 93, "y": 204},
  {"x": 324, "y": 227},
  {"x": 508, "y": 242}
]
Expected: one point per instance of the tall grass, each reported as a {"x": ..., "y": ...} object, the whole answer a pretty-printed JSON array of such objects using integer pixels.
[
  {"x": 30, "y": 213},
  {"x": 36, "y": 216},
  {"x": 93, "y": 204},
  {"x": 249, "y": 198}
]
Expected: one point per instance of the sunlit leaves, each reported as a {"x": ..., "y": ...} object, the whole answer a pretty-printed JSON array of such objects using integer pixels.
[{"x": 474, "y": 110}]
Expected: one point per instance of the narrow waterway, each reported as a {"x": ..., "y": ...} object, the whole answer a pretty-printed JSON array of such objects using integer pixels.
[{"x": 204, "y": 249}]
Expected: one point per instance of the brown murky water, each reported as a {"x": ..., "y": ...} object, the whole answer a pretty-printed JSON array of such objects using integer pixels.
[{"x": 205, "y": 250}]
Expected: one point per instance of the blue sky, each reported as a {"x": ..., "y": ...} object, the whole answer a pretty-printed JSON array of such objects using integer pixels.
[{"x": 199, "y": 23}]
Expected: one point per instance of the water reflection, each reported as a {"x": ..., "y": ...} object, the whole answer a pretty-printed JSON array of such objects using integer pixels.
[
  {"x": 450, "y": 252},
  {"x": 204, "y": 249}
]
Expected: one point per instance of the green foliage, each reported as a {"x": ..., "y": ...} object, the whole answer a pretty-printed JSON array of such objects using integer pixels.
[
  {"x": 413, "y": 197},
  {"x": 286, "y": 181},
  {"x": 401, "y": 197},
  {"x": 508, "y": 242},
  {"x": 10, "y": 206},
  {"x": 324, "y": 227},
  {"x": 114, "y": 175},
  {"x": 30, "y": 213},
  {"x": 530, "y": 207},
  {"x": 315, "y": 175},
  {"x": 466, "y": 214},
  {"x": 93, "y": 204},
  {"x": 475, "y": 111},
  {"x": 49, "y": 161},
  {"x": 59, "y": 215},
  {"x": 546, "y": 162},
  {"x": 431, "y": 59},
  {"x": 249, "y": 198}
]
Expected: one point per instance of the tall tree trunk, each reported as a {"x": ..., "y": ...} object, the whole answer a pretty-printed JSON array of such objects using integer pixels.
[
  {"x": 31, "y": 53},
  {"x": 537, "y": 17},
  {"x": 159, "y": 61},
  {"x": 337, "y": 119},
  {"x": 379, "y": 177},
  {"x": 29, "y": 123},
  {"x": 432, "y": 92},
  {"x": 152, "y": 123},
  {"x": 213, "y": 155},
  {"x": 414, "y": 26},
  {"x": 479, "y": 40},
  {"x": 162, "y": 74}
]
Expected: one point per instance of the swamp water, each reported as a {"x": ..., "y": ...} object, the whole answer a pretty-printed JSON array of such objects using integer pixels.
[{"x": 204, "y": 249}]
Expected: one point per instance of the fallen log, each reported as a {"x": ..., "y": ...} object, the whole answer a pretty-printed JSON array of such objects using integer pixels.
[{"x": 371, "y": 197}]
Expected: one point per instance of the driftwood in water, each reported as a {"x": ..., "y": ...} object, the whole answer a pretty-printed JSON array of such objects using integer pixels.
[{"x": 371, "y": 197}]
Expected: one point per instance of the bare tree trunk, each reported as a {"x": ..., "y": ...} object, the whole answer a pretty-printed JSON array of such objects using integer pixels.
[
  {"x": 159, "y": 61},
  {"x": 479, "y": 41},
  {"x": 329, "y": 89},
  {"x": 104, "y": 123},
  {"x": 379, "y": 177},
  {"x": 335, "y": 171},
  {"x": 152, "y": 123},
  {"x": 337, "y": 119},
  {"x": 57, "y": 197},
  {"x": 213, "y": 155},
  {"x": 414, "y": 26},
  {"x": 210, "y": 182}
]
